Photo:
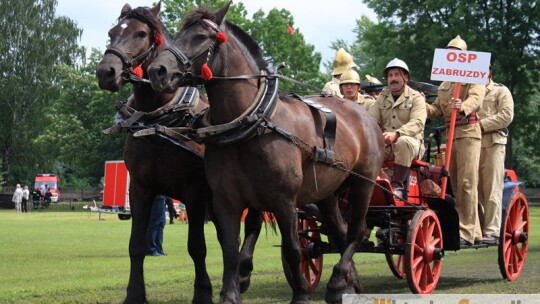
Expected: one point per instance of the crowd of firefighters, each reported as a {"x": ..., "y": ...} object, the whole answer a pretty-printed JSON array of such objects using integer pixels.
[{"x": 477, "y": 158}]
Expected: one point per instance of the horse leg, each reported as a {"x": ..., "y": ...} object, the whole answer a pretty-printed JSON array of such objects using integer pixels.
[
  {"x": 140, "y": 203},
  {"x": 227, "y": 219},
  {"x": 197, "y": 249},
  {"x": 331, "y": 215},
  {"x": 290, "y": 249},
  {"x": 252, "y": 229},
  {"x": 344, "y": 278}
]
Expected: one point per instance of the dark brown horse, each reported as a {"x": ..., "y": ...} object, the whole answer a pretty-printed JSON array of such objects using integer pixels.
[
  {"x": 270, "y": 152},
  {"x": 158, "y": 165}
]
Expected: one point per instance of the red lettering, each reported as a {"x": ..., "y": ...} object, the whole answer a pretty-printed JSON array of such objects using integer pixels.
[
  {"x": 451, "y": 56},
  {"x": 462, "y": 57},
  {"x": 472, "y": 57}
]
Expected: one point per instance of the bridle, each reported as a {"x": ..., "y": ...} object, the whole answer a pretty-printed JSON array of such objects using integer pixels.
[{"x": 128, "y": 65}]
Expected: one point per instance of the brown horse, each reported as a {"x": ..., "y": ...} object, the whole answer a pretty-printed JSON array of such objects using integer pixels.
[
  {"x": 271, "y": 152},
  {"x": 157, "y": 164}
]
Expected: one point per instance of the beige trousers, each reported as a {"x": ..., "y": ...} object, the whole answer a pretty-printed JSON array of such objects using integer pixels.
[
  {"x": 464, "y": 163},
  {"x": 490, "y": 188},
  {"x": 404, "y": 150}
]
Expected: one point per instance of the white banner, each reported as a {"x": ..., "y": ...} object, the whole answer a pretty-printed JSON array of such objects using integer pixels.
[
  {"x": 441, "y": 299},
  {"x": 460, "y": 66}
]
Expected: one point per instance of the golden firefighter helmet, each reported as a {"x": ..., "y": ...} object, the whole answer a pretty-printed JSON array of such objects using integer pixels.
[
  {"x": 349, "y": 76},
  {"x": 342, "y": 62},
  {"x": 373, "y": 80},
  {"x": 396, "y": 63},
  {"x": 457, "y": 43}
]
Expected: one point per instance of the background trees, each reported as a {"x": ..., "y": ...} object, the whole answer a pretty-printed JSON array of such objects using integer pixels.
[{"x": 52, "y": 111}]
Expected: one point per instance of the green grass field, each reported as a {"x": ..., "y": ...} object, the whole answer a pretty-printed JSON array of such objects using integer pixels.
[{"x": 73, "y": 257}]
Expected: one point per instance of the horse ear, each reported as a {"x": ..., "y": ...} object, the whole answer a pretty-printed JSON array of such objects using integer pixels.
[
  {"x": 125, "y": 10},
  {"x": 157, "y": 8},
  {"x": 220, "y": 15}
]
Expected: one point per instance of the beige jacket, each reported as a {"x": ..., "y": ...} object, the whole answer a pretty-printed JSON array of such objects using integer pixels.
[
  {"x": 496, "y": 114},
  {"x": 332, "y": 88},
  {"x": 471, "y": 96},
  {"x": 365, "y": 100},
  {"x": 406, "y": 115}
]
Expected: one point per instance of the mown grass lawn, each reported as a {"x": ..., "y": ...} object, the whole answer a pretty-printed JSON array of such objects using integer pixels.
[{"x": 73, "y": 257}]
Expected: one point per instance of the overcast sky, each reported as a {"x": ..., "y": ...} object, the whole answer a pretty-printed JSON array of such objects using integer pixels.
[{"x": 320, "y": 21}]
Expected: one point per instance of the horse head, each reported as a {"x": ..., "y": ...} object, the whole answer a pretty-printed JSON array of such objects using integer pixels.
[
  {"x": 213, "y": 52},
  {"x": 134, "y": 43}
]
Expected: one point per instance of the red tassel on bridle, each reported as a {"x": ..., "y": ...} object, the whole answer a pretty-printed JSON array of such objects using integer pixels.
[
  {"x": 221, "y": 37},
  {"x": 206, "y": 73},
  {"x": 138, "y": 71},
  {"x": 158, "y": 39}
]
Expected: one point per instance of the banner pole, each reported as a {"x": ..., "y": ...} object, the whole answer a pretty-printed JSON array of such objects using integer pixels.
[{"x": 449, "y": 141}]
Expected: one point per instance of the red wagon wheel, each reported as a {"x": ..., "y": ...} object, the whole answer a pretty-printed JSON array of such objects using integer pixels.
[
  {"x": 311, "y": 261},
  {"x": 424, "y": 252},
  {"x": 513, "y": 240},
  {"x": 396, "y": 262}
]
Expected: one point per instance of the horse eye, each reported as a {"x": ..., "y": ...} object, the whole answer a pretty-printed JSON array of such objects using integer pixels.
[
  {"x": 200, "y": 38},
  {"x": 141, "y": 34}
]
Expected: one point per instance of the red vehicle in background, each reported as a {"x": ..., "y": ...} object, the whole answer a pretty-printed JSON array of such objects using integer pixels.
[
  {"x": 51, "y": 182},
  {"x": 115, "y": 190},
  {"x": 115, "y": 194}
]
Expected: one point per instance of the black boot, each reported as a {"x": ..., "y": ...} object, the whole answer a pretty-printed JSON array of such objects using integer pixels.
[{"x": 400, "y": 174}]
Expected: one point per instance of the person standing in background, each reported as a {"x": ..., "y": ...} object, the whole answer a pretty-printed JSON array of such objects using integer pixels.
[
  {"x": 495, "y": 116},
  {"x": 17, "y": 198},
  {"x": 155, "y": 227},
  {"x": 24, "y": 203}
]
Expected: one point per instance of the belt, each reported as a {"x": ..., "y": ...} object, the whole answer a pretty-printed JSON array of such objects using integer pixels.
[
  {"x": 503, "y": 132},
  {"x": 465, "y": 120}
]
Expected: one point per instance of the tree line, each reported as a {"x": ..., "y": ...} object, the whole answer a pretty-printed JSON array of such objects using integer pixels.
[{"x": 52, "y": 110}]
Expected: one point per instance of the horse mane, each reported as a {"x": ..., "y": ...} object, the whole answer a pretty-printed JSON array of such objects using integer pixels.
[
  {"x": 145, "y": 15},
  {"x": 251, "y": 45}
]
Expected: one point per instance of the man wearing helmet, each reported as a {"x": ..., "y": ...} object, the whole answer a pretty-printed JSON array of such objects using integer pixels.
[
  {"x": 401, "y": 114},
  {"x": 350, "y": 87},
  {"x": 465, "y": 154},
  {"x": 342, "y": 62}
]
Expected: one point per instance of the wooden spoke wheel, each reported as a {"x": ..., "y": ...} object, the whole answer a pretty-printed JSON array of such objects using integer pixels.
[
  {"x": 396, "y": 262},
  {"x": 513, "y": 240},
  {"x": 312, "y": 259},
  {"x": 424, "y": 252}
]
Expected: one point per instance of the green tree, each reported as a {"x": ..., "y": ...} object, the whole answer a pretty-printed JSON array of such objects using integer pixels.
[
  {"x": 75, "y": 121},
  {"x": 270, "y": 31},
  {"x": 32, "y": 42}
]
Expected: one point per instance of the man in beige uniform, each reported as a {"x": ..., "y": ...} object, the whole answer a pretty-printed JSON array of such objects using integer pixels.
[
  {"x": 350, "y": 87},
  {"x": 496, "y": 114},
  {"x": 342, "y": 62},
  {"x": 465, "y": 155},
  {"x": 401, "y": 114}
]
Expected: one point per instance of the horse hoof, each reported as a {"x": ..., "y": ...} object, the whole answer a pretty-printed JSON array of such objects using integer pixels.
[{"x": 244, "y": 284}]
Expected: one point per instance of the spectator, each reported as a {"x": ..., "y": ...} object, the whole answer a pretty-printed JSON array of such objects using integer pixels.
[
  {"x": 465, "y": 154},
  {"x": 342, "y": 62},
  {"x": 495, "y": 116},
  {"x": 156, "y": 226},
  {"x": 17, "y": 198},
  {"x": 172, "y": 211},
  {"x": 24, "y": 203}
]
